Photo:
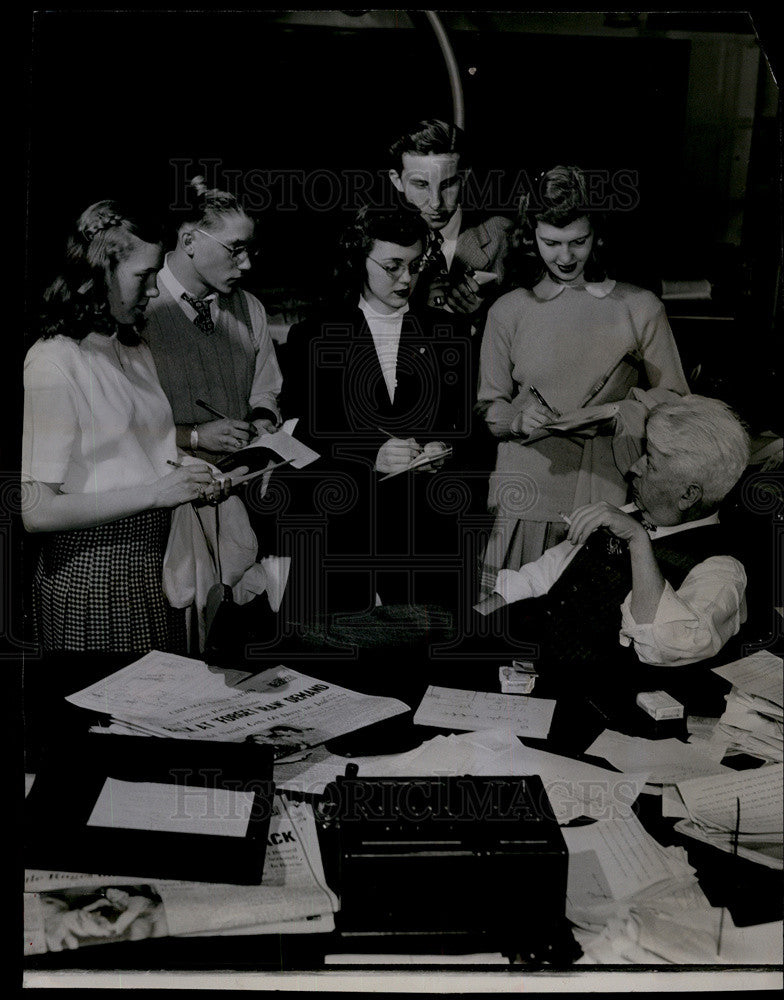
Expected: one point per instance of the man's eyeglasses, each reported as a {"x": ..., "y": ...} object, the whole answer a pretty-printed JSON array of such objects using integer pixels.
[
  {"x": 396, "y": 270},
  {"x": 237, "y": 254}
]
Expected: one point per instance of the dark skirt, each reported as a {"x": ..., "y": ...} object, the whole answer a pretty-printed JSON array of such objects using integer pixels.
[{"x": 100, "y": 589}]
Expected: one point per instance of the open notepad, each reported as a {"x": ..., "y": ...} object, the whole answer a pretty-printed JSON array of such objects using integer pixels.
[
  {"x": 420, "y": 460},
  {"x": 584, "y": 418}
]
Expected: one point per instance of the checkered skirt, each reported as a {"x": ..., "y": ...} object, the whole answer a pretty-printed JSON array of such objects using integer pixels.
[{"x": 100, "y": 589}]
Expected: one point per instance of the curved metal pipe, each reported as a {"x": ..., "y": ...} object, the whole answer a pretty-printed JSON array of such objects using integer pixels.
[{"x": 458, "y": 106}]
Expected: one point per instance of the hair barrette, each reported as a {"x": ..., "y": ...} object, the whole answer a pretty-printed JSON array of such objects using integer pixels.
[{"x": 91, "y": 231}]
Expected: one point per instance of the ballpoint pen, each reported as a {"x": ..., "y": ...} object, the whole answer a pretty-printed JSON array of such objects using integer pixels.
[
  {"x": 537, "y": 395},
  {"x": 221, "y": 416}
]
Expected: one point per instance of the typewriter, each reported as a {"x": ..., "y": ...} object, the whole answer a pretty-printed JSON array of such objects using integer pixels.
[{"x": 439, "y": 862}]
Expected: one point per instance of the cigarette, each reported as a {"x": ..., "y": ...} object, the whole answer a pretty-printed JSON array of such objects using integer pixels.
[
  {"x": 566, "y": 518},
  {"x": 176, "y": 465}
]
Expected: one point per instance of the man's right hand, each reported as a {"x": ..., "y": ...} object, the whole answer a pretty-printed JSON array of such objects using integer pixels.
[
  {"x": 224, "y": 436},
  {"x": 395, "y": 455}
]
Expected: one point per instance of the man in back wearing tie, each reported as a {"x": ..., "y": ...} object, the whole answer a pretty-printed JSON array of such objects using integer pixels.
[
  {"x": 209, "y": 338},
  {"x": 427, "y": 168}
]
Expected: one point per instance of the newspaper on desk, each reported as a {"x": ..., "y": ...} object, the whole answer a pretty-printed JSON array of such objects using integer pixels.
[
  {"x": 71, "y": 910},
  {"x": 173, "y": 696}
]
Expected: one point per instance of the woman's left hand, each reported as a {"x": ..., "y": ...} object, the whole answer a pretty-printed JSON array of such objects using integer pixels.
[
  {"x": 585, "y": 520},
  {"x": 220, "y": 488}
]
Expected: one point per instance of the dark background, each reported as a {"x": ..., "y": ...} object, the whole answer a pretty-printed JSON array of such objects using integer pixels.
[{"x": 118, "y": 97}]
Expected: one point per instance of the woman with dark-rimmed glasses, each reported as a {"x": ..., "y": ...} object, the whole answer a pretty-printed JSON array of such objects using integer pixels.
[{"x": 384, "y": 394}]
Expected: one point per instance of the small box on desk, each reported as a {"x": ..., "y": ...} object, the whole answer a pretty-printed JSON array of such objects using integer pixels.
[
  {"x": 141, "y": 806},
  {"x": 622, "y": 712},
  {"x": 422, "y": 857}
]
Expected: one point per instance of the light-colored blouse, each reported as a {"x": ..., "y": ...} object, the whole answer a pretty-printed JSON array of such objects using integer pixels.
[{"x": 95, "y": 415}]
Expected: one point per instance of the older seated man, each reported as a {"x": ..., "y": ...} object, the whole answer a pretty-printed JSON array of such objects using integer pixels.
[{"x": 653, "y": 583}]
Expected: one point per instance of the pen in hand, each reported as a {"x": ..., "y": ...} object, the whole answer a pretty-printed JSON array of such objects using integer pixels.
[
  {"x": 221, "y": 416},
  {"x": 538, "y": 396},
  {"x": 212, "y": 410}
]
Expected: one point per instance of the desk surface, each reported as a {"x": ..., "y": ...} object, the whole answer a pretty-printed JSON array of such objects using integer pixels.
[{"x": 752, "y": 893}]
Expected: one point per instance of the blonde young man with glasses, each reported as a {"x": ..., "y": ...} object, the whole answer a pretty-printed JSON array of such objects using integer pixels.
[{"x": 210, "y": 338}]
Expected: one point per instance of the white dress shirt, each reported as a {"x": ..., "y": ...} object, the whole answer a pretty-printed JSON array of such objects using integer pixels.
[
  {"x": 176, "y": 290},
  {"x": 385, "y": 330},
  {"x": 690, "y": 624}
]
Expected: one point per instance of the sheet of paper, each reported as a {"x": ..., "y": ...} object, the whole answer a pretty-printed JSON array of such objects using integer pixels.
[
  {"x": 175, "y": 696},
  {"x": 711, "y": 801},
  {"x": 423, "y": 459},
  {"x": 665, "y": 761},
  {"x": 147, "y": 805},
  {"x": 761, "y": 674},
  {"x": 454, "y": 708},
  {"x": 585, "y": 417},
  {"x": 286, "y": 446},
  {"x": 614, "y": 860}
]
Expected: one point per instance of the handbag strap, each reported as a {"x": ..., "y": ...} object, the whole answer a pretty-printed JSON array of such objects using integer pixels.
[{"x": 214, "y": 555}]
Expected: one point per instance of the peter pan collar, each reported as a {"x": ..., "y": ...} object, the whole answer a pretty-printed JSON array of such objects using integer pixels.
[{"x": 548, "y": 289}]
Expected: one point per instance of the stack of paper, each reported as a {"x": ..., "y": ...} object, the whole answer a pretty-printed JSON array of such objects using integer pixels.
[
  {"x": 615, "y": 863},
  {"x": 71, "y": 910},
  {"x": 753, "y": 720},
  {"x": 167, "y": 695},
  {"x": 713, "y": 807},
  {"x": 633, "y": 901}
]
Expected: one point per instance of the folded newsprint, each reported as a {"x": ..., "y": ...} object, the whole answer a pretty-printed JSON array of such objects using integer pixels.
[
  {"x": 65, "y": 910},
  {"x": 174, "y": 696}
]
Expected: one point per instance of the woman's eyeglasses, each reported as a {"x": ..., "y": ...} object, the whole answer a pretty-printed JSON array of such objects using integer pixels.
[
  {"x": 396, "y": 270},
  {"x": 237, "y": 254}
]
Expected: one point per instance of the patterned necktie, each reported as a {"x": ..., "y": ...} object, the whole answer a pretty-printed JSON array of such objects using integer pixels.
[{"x": 203, "y": 316}]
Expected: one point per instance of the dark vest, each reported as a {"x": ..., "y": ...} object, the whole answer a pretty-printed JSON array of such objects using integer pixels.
[{"x": 578, "y": 622}]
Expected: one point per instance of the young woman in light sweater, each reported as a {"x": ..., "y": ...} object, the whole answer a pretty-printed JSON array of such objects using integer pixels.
[{"x": 569, "y": 337}]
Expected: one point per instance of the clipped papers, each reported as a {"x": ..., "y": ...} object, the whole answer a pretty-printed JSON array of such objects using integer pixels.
[
  {"x": 753, "y": 721},
  {"x": 454, "y": 708}
]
